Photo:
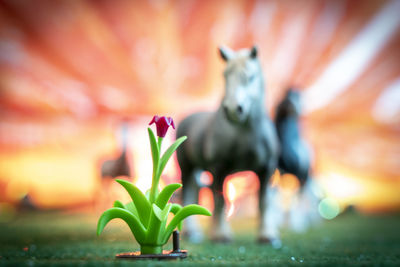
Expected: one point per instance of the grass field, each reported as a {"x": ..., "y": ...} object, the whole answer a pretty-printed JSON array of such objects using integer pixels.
[{"x": 49, "y": 239}]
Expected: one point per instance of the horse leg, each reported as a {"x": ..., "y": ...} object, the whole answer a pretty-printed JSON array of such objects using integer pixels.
[
  {"x": 269, "y": 220},
  {"x": 220, "y": 231},
  {"x": 190, "y": 195},
  {"x": 310, "y": 195},
  {"x": 298, "y": 213}
]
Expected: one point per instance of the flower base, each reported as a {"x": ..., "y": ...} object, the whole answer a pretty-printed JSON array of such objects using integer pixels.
[
  {"x": 165, "y": 255},
  {"x": 151, "y": 250}
]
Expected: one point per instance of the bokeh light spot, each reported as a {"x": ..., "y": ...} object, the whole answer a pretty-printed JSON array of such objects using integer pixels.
[{"x": 328, "y": 208}]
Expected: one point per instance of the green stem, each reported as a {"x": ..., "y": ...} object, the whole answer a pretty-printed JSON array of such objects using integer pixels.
[
  {"x": 150, "y": 249},
  {"x": 160, "y": 139},
  {"x": 156, "y": 174}
]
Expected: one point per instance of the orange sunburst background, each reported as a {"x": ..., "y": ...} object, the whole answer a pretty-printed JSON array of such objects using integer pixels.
[{"x": 72, "y": 71}]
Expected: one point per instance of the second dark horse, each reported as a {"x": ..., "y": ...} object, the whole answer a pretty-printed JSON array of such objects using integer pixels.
[
  {"x": 295, "y": 155},
  {"x": 238, "y": 136},
  {"x": 295, "y": 158}
]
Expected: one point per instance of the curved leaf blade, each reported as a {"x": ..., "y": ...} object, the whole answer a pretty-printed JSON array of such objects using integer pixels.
[
  {"x": 164, "y": 213},
  {"x": 131, "y": 207},
  {"x": 175, "y": 208},
  {"x": 118, "y": 204},
  {"x": 142, "y": 205},
  {"x": 168, "y": 153},
  {"x": 185, "y": 212},
  {"x": 158, "y": 220},
  {"x": 147, "y": 194},
  {"x": 155, "y": 152},
  {"x": 158, "y": 212},
  {"x": 164, "y": 216},
  {"x": 133, "y": 222},
  {"x": 166, "y": 194}
]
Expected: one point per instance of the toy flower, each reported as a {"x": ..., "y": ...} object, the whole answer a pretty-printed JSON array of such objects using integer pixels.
[
  {"x": 146, "y": 215},
  {"x": 162, "y": 124}
]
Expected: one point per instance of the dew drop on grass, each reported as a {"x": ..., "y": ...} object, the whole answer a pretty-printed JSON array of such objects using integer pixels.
[
  {"x": 242, "y": 249},
  {"x": 293, "y": 258}
]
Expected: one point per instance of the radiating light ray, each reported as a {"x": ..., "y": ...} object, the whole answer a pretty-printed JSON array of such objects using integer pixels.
[
  {"x": 353, "y": 61},
  {"x": 387, "y": 107},
  {"x": 322, "y": 33},
  {"x": 262, "y": 14},
  {"x": 289, "y": 49}
]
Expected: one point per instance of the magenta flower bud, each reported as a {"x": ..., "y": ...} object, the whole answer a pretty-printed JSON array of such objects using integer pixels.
[{"x": 162, "y": 124}]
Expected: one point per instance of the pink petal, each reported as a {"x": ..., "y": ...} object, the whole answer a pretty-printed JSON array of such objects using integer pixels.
[{"x": 154, "y": 120}]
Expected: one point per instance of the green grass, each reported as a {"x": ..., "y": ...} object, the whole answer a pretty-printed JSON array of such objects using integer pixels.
[{"x": 66, "y": 239}]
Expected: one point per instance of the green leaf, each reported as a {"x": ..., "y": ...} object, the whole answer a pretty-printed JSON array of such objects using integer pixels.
[
  {"x": 162, "y": 215},
  {"x": 166, "y": 194},
  {"x": 168, "y": 153},
  {"x": 137, "y": 228},
  {"x": 119, "y": 204},
  {"x": 185, "y": 212},
  {"x": 131, "y": 207},
  {"x": 158, "y": 220},
  {"x": 147, "y": 194},
  {"x": 128, "y": 206},
  {"x": 155, "y": 153},
  {"x": 175, "y": 209},
  {"x": 141, "y": 203},
  {"x": 157, "y": 212}
]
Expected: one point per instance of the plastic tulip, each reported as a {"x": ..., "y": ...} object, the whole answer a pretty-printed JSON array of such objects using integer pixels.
[{"x": 146, "y": 215}]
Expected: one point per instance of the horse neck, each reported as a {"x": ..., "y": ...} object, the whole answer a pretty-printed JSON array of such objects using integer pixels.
[
  {"x": 258, "y": 111},
  {"x": 256, "y": 116}
]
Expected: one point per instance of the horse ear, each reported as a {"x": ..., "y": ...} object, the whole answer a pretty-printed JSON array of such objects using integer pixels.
[
  {"x": 226, "y": 53},
  {"x": 253, "y": 52}
]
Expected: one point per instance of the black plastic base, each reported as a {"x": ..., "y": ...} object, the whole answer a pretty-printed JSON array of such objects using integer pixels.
[{"x": 167, "y": 254}]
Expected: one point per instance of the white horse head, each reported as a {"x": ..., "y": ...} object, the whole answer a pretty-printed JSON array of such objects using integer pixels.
[{"x": 244, "y": 84}]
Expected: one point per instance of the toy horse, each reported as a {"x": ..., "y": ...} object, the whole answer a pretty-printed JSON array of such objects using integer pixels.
[
  {"x": 295, "y": 158},
  {"x": 238, "y": 136}
]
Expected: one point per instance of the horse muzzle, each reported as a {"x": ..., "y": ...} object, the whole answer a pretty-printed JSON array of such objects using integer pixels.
[{"x": 236, "y": 114}]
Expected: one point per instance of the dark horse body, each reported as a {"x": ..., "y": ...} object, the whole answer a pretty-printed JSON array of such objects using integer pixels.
[
  {"x": 295, "y": 158},
  {"x": 238, "y": 136}
]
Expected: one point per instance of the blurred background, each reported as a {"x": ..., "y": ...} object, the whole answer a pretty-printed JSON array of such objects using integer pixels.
[{"x": 80, "y": 80}]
